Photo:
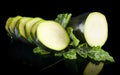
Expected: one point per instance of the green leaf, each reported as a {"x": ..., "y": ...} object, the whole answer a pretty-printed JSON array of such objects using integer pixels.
[
  {"x": 39, "y": 50},
  {"x": 75, "y": 41},
  {"x": 63, "y": 19},
  {"x": 99, "y": 54},
  {"x": 71, "y": 54},
  {"x": 94, "y": 53},
  {"x": 82, "y": 52}
]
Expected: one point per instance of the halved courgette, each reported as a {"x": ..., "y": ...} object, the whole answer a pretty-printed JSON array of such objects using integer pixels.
[
  {"x": 91, "y": 27},
  {"x": 52, "y": 35}
]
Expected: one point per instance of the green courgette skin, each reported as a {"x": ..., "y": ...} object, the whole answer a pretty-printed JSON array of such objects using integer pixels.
[{"x": 77, "y": 22}]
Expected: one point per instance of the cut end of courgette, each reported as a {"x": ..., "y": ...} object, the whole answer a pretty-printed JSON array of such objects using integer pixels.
[
  {"x": 96, "y": 29},
  {"x": 52, "y": 35}
]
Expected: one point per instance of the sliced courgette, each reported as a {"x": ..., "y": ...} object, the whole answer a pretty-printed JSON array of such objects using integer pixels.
[
  {"x": 20, "y": 27},
  {"x": 13, "y": 24},
  {"x": 52, "y": 35},
  {"x": 7, "y": 24},
  {"x": 91, "y": 27},
  {"x": 34, "y": 30},
  {"x": 28, "y": 28}
]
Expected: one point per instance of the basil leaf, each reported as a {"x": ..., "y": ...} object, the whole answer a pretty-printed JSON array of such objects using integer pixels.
[
  {"x": 63, "y": 19},
  {"x": 99, "y": 54},
  {"x": 82, "y": 52},
  {"x": 75, "y": 41},
  {"x": 94, "y": 53}
]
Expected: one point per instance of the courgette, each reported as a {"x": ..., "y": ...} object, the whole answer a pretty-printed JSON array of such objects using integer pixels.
[
  {"x": 90, "y": 27},
  {"x": 52, "y": 35}
]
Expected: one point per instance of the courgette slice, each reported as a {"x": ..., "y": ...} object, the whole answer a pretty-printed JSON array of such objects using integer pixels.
[
  {"x": 20, "y": 27},
  {"x": 34, "y": 30},
  {"x": 13, "y": 24},
  {"x": 7, "y": 25},
  {"x": 28, "y": 28},
  {"x": 93, "y": 69},
  {"x": 52, "y": 35},
  {"x": 91, "y": 27}
]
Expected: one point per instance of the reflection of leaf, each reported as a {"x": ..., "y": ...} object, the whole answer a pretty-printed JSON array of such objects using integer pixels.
[{"x": 39, "y": 50}]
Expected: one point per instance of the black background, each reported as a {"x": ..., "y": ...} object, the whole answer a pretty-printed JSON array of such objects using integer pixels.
[{"x": 49, "y": 10}]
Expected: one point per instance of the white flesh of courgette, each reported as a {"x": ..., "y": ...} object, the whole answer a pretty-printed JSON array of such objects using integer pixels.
[
  {"x": 52, "y": 35},
  {"x": 96, "y": 29}
]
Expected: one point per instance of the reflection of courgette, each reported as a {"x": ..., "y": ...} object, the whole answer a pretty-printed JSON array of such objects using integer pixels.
[
  {"x": 93, "y": 69},
  {"x": 91, "y": 27}
]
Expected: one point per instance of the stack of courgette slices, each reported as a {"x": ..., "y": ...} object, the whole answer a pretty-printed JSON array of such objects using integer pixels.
[{"x": 45, "y": 33}]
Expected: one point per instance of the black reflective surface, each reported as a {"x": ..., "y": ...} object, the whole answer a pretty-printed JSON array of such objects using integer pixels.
[{"x": 16, "y": 60}]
